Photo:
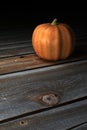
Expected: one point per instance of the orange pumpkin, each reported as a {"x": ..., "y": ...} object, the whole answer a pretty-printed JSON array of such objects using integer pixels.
[{"x": 53, "y": 41}]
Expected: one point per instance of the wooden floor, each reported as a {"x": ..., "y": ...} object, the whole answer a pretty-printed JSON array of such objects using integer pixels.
[{"x": 37, "y": 94}]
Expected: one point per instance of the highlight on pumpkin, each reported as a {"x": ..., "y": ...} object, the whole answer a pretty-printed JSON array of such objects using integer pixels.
[{"x": 53, "y": 42}]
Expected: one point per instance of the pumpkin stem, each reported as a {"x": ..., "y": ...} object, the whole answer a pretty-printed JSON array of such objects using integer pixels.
[{"x": 54, "y": 22}]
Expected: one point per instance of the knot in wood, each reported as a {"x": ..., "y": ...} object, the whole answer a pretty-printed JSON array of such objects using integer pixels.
[{"x": 50, "y": 99}]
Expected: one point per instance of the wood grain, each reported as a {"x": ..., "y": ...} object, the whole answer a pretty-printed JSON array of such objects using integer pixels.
[
  {"x": 19, "y": 91},
  {"x": 15, "y": 42},
  {"x": 30, "y": 61},
  {"x": 70, "y": 117}
]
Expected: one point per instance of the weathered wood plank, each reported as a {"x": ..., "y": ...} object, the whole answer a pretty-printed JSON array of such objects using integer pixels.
[
  {"x": 69, "y": 117},
  {"x": 15, "y": 44},
  {"x": 20, "y": 92},
  {"x": 16, "y": 51},
  {"x": 80, "y": 127},
  {"x": 31, "y": 61}
]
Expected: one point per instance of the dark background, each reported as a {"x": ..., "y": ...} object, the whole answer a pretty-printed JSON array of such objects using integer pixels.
[{"x": 28, "y": 16}]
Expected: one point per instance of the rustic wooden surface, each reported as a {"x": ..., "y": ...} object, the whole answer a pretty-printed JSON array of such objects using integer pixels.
[{"x": 25, "y": 79}]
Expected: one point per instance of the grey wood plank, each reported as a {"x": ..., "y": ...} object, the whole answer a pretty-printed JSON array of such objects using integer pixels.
[
  {"x": 14, "y": 44},
  {"x": 16, "y": 52},
  {"x": 68, "y": 117},
  {"x": 82, "y": 126},
  {"x": 22, "y": 92}
]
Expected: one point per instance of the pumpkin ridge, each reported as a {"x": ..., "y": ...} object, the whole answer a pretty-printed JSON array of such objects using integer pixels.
[
  {"x": 52, "y": 48},
  {"x": 72, "y": 35},
  {"x": 60, "y": 42},
  {"x": 67, "y": 42},
  {"x": 37, "y": 33}
]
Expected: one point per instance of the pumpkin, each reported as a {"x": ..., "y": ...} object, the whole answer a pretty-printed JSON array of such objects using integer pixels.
[{"x": 53, "y": 41}]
